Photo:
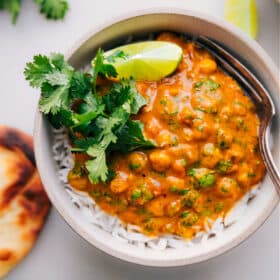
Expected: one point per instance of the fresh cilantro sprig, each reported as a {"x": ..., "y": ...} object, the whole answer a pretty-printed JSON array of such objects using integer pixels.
[
  {"x": 12, "y": 6},
  {"x": 52, "y": 9},
  {"x": 102, "y": 122}
]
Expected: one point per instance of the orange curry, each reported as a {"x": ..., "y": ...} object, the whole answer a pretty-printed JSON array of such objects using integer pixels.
[{"x": 207, "y": 155}]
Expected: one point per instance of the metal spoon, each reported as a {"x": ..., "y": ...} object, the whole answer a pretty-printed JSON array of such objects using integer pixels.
[{"x": 259, "y": 95}]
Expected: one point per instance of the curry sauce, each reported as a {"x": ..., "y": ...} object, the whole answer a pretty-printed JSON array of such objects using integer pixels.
[{"x": 206, "y": 132}]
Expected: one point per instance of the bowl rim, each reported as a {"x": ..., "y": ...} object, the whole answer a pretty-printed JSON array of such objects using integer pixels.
[{"x": 39, "y": 119}]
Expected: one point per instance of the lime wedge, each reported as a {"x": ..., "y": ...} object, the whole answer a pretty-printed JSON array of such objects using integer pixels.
[
  {"x": 243, "y": 14},
  {"x": 148, "y": 61}
]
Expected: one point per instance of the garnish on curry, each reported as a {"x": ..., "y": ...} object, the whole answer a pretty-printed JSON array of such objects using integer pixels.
[{"x": 205, "y": 158}]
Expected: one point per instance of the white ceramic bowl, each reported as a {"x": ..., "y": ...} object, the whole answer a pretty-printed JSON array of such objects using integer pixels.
[{"x": 137, "y": 24}]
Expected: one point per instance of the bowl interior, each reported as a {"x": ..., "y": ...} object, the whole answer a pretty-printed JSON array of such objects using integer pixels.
[{"x": 139, "y": 25}]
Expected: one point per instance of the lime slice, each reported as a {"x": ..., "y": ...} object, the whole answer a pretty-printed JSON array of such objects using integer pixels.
[
  {"x": 243, "y": 14},
  {"x": 149, "y": 61}
]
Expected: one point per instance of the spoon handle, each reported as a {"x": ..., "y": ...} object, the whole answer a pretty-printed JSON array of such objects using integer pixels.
[{"x": 267, "y": 156}]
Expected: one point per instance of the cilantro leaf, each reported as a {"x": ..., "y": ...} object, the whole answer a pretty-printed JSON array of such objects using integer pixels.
[
  {"x": 122, "y": 92},
  {"x": 52, "y": 70},
  {"x": 53, "y": 9},
  {"x": 53, "y": 75},
  {"x": 52, "y": 101},
  {"x": 206, "y": 84},
  {"x": 131, "y": 137},
  {"x": 100, "y": 67},
  {"x": 80, "y": 84},
  {"x": 115, "y": 55},
  {"x": 12, "y": 6},
  {"x": 97, "y": 167}
]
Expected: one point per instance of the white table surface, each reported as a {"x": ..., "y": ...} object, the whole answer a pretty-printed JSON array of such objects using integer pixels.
[{"x": 60, "y": 253}]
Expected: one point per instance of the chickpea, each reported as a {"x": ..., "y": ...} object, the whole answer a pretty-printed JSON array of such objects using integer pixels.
[
  {"x": 190, "y": 198},
  {"x": 207, "y": 66},
  {"x": 205, "y": 103},
  {"x": 167, "y": 106},
  {"x": 179, "y": 166},
  {"x": 226, "y": 167},
  {"x": 160, "y": 160},
  {"x": 165, "y": 138},
  {"x": 225, "y": 113},
  {"x": 189, "y": 218},
  {"x": 208, "y": 149},
  {"x": 243, "y": 179},
  {"x": 119, "y": 185},
  {"x": 156, "y": 206},
  {"x": 245, "y": 175},
  {"x": 227, "y": 187},
  {"x": 201, "y": 129},
  {"x": 235, "y": 154},
  {"x": 137, "y": 161},
  {"x": 174, "y": 182},
  {"x": 173, "y": 207},
  {"x": 153, "y": 127},
  {"x": 188, "y": 134},
  {"x": 168, "y": 90},
  {"x": 154, "y": 186},
  {"x": 211, "y": 155},
  {"x": 187, "y": 115},
  {"x": 224, "y": 139},
  {"x": 191, "y": 153}
]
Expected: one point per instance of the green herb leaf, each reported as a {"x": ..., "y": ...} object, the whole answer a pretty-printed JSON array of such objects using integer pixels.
[
  {"x": 136, "y": 193},
  {"x": 131, "y": 137},
  {"x": 12, "y": 6},
  {"x": 206, "y": 180},
  {"x": 114, "y": 56},
  {"x": 53, "y": 9},
  {"x": 206, "y": 84},
  {"x": 223, "y": 166},
  {"x": 101, "y": 67},
  {"x": 219, "y": 206},
  {"x": 184, "y": 214},
  {"x": 173, "y": 189}
]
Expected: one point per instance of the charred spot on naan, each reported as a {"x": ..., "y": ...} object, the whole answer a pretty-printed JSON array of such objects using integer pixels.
[
  {"x": 6, "y": 255},
  {"x": 33, "y": 197},
  {"x": 12, "y": 138},
  {"x": 19, "y": 169}
]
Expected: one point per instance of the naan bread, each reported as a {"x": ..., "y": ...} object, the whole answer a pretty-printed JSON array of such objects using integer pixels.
[{"x": 23, "y": 203}]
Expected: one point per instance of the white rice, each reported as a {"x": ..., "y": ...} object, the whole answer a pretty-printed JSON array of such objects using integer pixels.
[{"x": 130, "y": 233}]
